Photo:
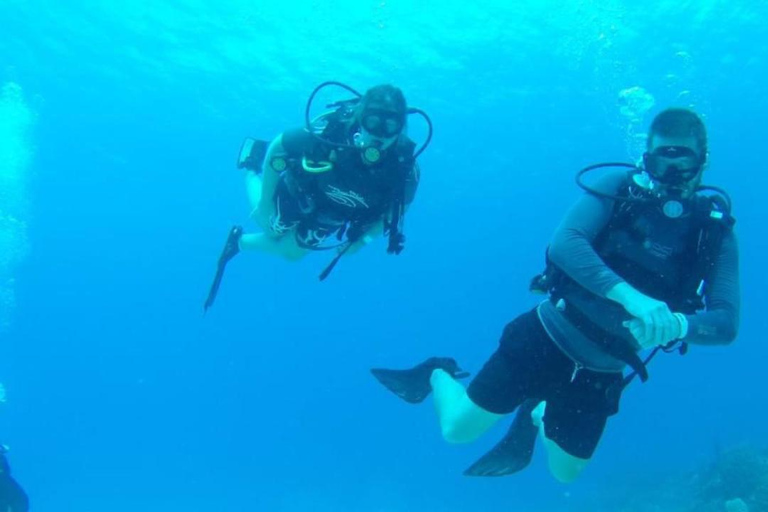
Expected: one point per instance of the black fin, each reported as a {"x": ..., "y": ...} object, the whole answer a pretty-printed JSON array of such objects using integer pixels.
[
  {"x": 514, "y": 452},
  {"x": 413, "y": 385},
  {"x": 231, "y": 248},
  {"x": 325, "y": 273}
]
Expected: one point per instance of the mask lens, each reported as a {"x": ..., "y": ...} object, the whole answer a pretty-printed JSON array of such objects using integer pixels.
[
  {"x": 673, "y": 165},
  {"x": 372, "y": 123},
  {"x": 382, "y": 124},
  {"x": 391, "y": 126}
]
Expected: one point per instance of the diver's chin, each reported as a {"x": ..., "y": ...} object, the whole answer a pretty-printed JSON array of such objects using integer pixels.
[{"x": 387, "y": 144}]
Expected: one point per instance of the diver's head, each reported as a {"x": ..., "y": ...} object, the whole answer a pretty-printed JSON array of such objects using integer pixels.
[
  {"x": 380, "y": 117},
  {"x": 676, "y": 152}
]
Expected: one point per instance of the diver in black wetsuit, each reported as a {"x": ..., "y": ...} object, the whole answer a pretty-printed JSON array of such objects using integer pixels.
[
  {"x": 12, "y": 496},
  {"x": 347, "y": 176},
  {"x": 647, "y": 259}
]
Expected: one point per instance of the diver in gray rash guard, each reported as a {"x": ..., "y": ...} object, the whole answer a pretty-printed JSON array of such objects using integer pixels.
[
  {"x": 647, "y": 259},
  {"x": 12, "y": 496}
]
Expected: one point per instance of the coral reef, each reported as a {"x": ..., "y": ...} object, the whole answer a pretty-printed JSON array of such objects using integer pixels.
[
  {"x": 736, "y": 480},
  {"x": 738, "y": 477}
]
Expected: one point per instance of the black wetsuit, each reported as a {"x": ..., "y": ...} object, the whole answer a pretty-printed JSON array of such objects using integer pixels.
[
  {"x": 544, "y": 355},
  {"x": 347, "y": 199}
]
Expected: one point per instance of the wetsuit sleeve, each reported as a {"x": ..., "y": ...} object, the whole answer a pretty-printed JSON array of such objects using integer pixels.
[
  {"x": 571, "y": 247},
  {"x": 718, "y": 324}
]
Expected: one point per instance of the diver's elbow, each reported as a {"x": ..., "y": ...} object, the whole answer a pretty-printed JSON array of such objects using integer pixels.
[{"x": 557, "y": 253}]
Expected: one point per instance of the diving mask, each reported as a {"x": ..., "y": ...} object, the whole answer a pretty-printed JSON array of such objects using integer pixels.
[
  {"x": 382, "y": 123},
  {"x": 673, "y": 165}
]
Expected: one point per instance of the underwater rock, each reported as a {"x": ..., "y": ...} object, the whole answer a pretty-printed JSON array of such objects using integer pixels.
[
  {"x": 736, "y": 505},
  {"x": 735, "y": 480}
]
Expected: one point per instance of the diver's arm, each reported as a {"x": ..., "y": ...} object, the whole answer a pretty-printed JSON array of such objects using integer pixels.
[
  {"x": 718, "y": 324},
  {"x": 572, "y": 251},
  {"x": 261, "y": 187},
  {"x": 376, "y": 229},
  {"x": 571, "y": 247}
]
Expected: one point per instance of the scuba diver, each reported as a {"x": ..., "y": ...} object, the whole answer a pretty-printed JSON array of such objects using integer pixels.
[
  {"x": 646, "y": 260},
  {"x": 345, "y": 177},
  {"x": 12, "y": 496}
]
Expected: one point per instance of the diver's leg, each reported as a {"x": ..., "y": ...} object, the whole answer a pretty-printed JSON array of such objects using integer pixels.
[
  {"x": 261, "y": 210},
  {"x": 254, "y": 187},
  {"x": 260, "y": 187},
  {"x": 507, "y": 379},
  {"x": 500, "y": 387},
  {"x": 461, "y": 420},
  {"x": 278, "y": 215},
  {"x": 572, "y": 421},
  {"x": 514, "y": 451},
  {"x": 284, "y": 246},
  {"x": 525, "y": 369},
  {"x": 563, "y": 466}
]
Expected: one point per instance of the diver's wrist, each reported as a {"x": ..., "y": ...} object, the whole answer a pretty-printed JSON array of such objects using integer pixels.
[
  {"x": 682, "y": 321},
  {"x": 621, "y": 292}
]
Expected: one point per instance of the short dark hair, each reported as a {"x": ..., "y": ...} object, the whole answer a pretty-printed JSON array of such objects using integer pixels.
[
  {"x": 385, "y": 96},
  {"x": 679, "y": 122}
]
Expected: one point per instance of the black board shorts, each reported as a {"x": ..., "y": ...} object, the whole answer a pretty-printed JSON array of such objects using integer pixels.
[{"x": 528, "y": 365}]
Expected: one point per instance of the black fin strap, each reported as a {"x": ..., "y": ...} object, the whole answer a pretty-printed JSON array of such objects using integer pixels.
[{"x": 325, "y": 273}]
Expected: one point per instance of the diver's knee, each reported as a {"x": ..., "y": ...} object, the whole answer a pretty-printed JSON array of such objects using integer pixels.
[
  {"x": 262, "y": 217},
  {"x": 457, "y": 433},
  {"x": 562, "y": 465},
  {"x": 294, "y": 254},
  {"x": 566, "y": 474}
]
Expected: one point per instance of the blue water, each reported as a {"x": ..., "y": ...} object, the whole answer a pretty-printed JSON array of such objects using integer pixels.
[{"x": 120, "y": 123}]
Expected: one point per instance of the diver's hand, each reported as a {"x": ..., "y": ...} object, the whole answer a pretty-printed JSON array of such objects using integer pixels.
[
  {"x": 678, "y": 332},
  {"x": 653, "y": 323},
  {"x": 638, "y": 331},
  {"x": 356, "y": 245}
]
